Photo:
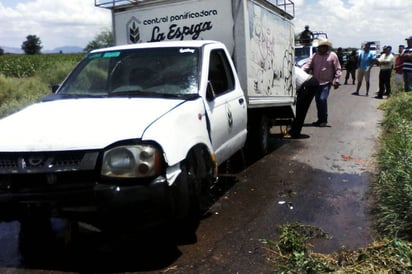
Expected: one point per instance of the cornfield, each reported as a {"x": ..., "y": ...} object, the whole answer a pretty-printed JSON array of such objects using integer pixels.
[
  {"x": 23, "y": 66},
  {"x": 25, "y": 79}
]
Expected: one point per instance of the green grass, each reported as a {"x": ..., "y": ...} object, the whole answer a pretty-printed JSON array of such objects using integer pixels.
[
  {"x": 393, "y": 189},
  {"x": 15, "y": 93}
]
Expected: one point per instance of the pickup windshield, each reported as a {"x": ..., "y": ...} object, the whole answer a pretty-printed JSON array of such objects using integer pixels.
[{"x": 147, "y": 72}]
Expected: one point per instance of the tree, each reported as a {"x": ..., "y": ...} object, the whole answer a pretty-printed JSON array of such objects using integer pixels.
[
  {"x": 101, "y": 40},
  {"x": 1, "y": 51},
  {"x": 32, "y": 45}
]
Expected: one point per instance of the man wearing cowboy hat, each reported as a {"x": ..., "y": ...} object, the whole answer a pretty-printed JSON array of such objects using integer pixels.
[
  {"x": 327, "y": 70},
  {"x": 406, "y": 57}
]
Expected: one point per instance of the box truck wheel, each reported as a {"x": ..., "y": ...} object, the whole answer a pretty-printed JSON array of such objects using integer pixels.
[{"x": 258, "y": 135}]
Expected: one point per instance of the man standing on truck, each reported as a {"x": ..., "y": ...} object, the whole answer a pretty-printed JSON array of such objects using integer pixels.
[
  {"x": 327, "y": 70},
  {"x": 306, "y": 37}
]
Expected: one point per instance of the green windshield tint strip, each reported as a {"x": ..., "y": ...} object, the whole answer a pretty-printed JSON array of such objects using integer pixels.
[
  {"x": 111, "y": 54},
  {"x": 94, "y": 56}
]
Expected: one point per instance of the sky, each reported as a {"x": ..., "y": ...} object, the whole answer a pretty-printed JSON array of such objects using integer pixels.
[
  {"x": 56, "y": 22},
  {"x": 76, "y": 22}
]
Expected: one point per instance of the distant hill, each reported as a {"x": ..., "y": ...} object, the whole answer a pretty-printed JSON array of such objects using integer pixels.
[
  {"x": 11, "y": 50},
  {"x": 64, "y": 49}
]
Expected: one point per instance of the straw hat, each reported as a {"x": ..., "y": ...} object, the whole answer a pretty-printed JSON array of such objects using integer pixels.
[{"x": 324, "y": 42}]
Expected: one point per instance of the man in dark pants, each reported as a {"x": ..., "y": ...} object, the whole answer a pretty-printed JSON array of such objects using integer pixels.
[
  {"x": 351, "y": 66},
  {"x": 406, "y": 56},
  {"x": 306, "y": 87},
  {"x": 385, "y": 62}
]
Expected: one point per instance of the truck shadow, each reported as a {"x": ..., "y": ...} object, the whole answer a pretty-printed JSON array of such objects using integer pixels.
[{"x": 95, "y": 252}]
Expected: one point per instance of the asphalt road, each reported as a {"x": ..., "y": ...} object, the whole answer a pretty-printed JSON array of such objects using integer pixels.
[{"x": 321, "y": 181}]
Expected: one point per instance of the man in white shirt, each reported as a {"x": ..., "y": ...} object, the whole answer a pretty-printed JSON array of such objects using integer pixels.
[{"x": 385, "y": 62}]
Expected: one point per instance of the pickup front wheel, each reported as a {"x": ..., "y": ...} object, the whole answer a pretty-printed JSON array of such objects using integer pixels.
[{"x": 195, "y": 181}]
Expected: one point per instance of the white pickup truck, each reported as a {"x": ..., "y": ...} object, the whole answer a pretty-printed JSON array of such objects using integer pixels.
[
  {"x": 135, "y": 134},
  {"x": 374, "y": 47}
]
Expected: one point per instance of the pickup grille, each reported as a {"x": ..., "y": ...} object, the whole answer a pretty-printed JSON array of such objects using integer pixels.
[{"x": 46, "y": 162}]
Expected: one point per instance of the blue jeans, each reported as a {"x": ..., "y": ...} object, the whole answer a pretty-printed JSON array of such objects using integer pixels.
[{"x": 321, "y": 98}]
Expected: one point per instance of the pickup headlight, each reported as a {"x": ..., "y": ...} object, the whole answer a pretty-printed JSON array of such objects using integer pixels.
[{"x": 134, "y": 161}]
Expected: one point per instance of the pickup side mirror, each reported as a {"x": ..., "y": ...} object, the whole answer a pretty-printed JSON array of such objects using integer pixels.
[{"x": 210, "y": 92}]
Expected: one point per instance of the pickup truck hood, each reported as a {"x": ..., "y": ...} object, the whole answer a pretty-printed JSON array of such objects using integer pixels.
[{"x": 75, "y": 124}]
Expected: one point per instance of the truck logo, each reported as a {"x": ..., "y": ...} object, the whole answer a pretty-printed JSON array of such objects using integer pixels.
[
  {"x": 36, "y": 161},
  {"x": 32, "y": 161},
  {"x": 229, "y": 118},
  {"x": 133, "y": 31}
]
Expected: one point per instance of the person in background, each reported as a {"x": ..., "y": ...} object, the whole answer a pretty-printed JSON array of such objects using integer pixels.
[
  {"x": 407, "y": 65},
  {"x": 339, "y": 53},
  {"x": 366, "y": 61},
  {"x": 306, "y": 36},
  {"x": 327, "y": 70},
  {"x": 385, "y": 62},
  {"x": 398, "y": 66},
  {"x": 306, "y": 86},
  {"x": 351, "y": 66}
]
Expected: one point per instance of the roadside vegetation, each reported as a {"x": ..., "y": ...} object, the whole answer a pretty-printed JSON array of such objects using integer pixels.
[
  {"x": 393, "y": 189},
  {"x": 392, "y": 211},
  {"x": 292, "y": 254},
  {"x": 25, "y": 79}
]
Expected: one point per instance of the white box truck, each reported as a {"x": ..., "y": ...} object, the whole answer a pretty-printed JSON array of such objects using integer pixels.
[
  {"x": 135, "y": 134},
  {"x": 258, "y": 34}
]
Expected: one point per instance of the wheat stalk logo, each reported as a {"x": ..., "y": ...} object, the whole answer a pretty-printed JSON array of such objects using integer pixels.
[{"x": 133, "y": 30}]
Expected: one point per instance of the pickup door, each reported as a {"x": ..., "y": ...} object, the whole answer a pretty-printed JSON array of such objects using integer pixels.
[{"x": 227, "y": 108}]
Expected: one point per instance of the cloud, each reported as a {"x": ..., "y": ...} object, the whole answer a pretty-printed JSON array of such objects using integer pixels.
[
  {"x": 56, "y": 23},
  {"x": 76, "y": 22},
  {"x": 350, "y": 22}
]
